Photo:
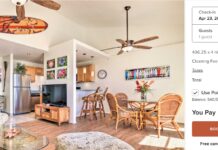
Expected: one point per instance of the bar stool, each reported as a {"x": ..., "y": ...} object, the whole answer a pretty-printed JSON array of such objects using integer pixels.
[
  {"x": 99, "y": 102},
  {"x": 88, "y": 106}
]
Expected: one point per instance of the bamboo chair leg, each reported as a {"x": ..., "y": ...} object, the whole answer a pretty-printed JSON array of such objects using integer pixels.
[
  {"x": 102, "y": 106},
  {"x": 81, "y": 112},
  {"x": 158, "y": 129},
  {"x": 100, "y": 109},
  {"x": 176, "y": 126},
  {"x": 94, "y": 109},
  {"x": 117, "y": 123},
  {"x": 162, "y": 128},
  {"x": 86, "y": 106}
]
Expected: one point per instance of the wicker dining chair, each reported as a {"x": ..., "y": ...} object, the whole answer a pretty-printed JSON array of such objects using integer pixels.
[
  {"x": 165, "y": 112},
  {"x": 120, "y": 114},
  {"x": 122, "y": 99}
]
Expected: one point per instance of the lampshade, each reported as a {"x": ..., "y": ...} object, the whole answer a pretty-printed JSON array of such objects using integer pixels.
[
  {"x": 19, "y": 2},
  {"x": 127, "y": 48}
]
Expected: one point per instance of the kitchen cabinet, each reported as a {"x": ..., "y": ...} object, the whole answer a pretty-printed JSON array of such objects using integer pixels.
[
  {"x": 33, "y": 71},
  {"x": 39, "y": 71},
  {"x": 80, "y": 75},
  {"x": 90, "y": 73},
  {"x": 86, "y": 73}
]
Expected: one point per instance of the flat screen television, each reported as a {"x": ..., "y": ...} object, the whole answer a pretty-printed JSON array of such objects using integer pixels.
[{"x": 55, "y": 94}]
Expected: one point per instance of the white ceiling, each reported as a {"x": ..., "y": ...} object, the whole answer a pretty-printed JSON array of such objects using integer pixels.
[
  {"x": 81, "y": 19},
  {"x": 86, "y": 53},
  {"x": 21, "y": 52},
  {"x": 103, "y": 13}
]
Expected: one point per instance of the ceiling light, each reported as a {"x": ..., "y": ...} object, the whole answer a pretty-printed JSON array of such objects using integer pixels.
[
  {"x": 127, "y": 48},
  {"x": 19, "y": 2}
]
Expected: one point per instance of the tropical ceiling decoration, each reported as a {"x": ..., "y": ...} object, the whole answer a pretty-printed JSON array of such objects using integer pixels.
[
  {"x": 20, "y": 24},
  {"x": 9, "y": 24}
]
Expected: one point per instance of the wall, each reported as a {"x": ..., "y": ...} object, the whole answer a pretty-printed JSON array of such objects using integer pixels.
[
  {"x": 115, "y": 66},
  {"x": 64, "y": 49},
  {"x": 9, "y": 83},
  {"x": 27, "y": 63}
]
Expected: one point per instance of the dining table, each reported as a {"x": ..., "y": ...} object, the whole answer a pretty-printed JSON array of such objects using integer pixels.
[{"x": 141, "y": 106}]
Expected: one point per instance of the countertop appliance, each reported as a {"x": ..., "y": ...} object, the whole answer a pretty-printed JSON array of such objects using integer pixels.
[{"x": 22, "y": 99}]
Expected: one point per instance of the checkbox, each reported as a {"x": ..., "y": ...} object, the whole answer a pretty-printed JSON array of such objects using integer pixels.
[{"x": 195, "y": 92}]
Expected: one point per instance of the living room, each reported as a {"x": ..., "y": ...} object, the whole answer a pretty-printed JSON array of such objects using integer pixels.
[{"x": 80, "y": 25}]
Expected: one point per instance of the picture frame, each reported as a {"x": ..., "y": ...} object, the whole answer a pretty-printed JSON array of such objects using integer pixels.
[
  {"x": 51, "y": 64},
  {"x": 50, "y": 75},
  {"x": 62, "y": 61},
  {"x": 150, "y": 72},
  {"x": 62, "y": 73}
]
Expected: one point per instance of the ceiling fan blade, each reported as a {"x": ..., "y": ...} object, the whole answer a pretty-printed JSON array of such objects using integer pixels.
[
  {"x": 146, "y": 39},
  {"x": 121, "y": 41},
  {"x": 141, "y": 46},
  {"x": 20, "y": 12},
  {"x": 110, "y": 48},
  {"x": 120, "y": 52},
  {"x": 48, "y": 3}
]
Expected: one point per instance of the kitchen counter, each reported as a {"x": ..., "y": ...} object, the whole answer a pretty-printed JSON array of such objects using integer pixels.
[{"x": 86, "y": 89}]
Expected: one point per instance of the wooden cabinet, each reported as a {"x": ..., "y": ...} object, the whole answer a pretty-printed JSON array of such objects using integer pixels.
[
  {"x": 51, "y": 113},
  {"x": 90, "y": 73},
  {"x": 80, "y": 74},
  {"x": 86, "y": 73},
  {"x": 33, "y": 71},
  {"x": 39, "y": 71}
]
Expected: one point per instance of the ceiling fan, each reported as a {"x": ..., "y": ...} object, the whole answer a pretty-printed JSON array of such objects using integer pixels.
[
  {"x": 127, "y": 45},
  {"x": 45, "y": 3}
]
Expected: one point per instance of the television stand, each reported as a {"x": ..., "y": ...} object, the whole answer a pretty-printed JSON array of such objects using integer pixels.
[{"x": 52, "y": 113}]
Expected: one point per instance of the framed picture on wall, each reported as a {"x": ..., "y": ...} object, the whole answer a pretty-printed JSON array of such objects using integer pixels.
[
  {"x": 62, "y": 61},
  {"x": 152, "y": 72},
  {"x": 62, "y": 73},
  {"x": 51, "y": 64},
  {"x": 51, "y": 75}
]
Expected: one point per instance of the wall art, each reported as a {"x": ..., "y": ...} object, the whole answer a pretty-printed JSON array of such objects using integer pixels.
[
  {"x": 51, "y": 64},
  {"x": 62, "y": 73},
  {"x": 62, "y": 61},
  {"x": 151, "y": 72},
  {"x": 50, "y": 74}
]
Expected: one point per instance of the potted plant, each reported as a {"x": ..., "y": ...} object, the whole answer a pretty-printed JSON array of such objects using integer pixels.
[
  {"x": 143, "y": 87},
  {"x": 20, "y": 69}
]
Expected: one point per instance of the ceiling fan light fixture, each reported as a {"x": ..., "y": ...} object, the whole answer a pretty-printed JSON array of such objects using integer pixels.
[
  {"x": 19, "y": 2},
  {"x": 127, "y": 48}
]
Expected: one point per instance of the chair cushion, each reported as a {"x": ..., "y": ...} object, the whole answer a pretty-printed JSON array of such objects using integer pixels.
[
  {"x": 90, "y": 141},
  {"x": 3, "y": 118}
]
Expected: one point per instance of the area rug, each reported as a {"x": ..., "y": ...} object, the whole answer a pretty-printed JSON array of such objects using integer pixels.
[
  {"x": 90, "y": 141},
  {"x": 163, "y": 141}
]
